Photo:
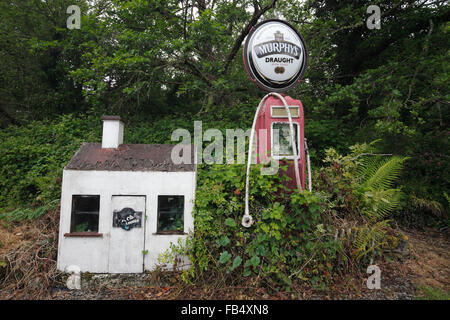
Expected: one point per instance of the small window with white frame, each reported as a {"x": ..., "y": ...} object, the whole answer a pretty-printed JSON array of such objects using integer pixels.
[{"x": 281, "y": 145}]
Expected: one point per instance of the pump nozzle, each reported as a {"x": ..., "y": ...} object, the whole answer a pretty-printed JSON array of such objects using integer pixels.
[{"x": 247, "y": 221}]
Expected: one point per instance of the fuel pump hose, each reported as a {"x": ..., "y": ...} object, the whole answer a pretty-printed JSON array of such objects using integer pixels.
[{"x": 247, "y": 219}]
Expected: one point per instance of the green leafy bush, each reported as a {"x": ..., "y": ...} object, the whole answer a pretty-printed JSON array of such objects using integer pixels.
[
  {"x": 287, "y": 243},
  {"x": 296, "y": 236},
  {"x": 360, "y": 189}
]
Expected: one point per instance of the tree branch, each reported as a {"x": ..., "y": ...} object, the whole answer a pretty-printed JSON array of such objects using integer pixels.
[
  {"x": 371, "y": 154},
  {"x": 237, "y": 43}
]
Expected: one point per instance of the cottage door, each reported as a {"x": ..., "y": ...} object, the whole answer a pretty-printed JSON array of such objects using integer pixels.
[{"x": 126, "y": 245}]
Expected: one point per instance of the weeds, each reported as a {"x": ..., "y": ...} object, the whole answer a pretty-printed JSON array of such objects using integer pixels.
[{"x": 432, "y": 293}]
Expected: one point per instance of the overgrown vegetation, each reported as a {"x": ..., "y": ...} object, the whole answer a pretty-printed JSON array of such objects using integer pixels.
[
  {"x": 161, "y": 65},
  {"x": 314, "y": 237}
]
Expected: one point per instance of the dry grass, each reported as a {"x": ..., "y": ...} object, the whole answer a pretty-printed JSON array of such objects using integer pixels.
[{"x": 28, "y": 257}]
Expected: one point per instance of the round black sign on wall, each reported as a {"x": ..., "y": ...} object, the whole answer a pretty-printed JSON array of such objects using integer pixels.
[
  {"x": 275, "y": 55},
  {"x": 127, "y": 219}
]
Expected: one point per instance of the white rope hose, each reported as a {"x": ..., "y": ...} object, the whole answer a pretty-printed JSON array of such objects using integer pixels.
[{"x": 247, "y": 219}]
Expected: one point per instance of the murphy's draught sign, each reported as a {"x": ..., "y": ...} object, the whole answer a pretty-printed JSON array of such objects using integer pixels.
[{"x": 275, "y": 55}]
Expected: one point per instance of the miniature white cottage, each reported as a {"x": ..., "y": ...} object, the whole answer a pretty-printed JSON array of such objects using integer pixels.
[{"x": 123, "y": 204}]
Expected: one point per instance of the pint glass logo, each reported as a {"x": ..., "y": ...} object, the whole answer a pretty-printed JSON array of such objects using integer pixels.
[{"x": 275, "y": 55}]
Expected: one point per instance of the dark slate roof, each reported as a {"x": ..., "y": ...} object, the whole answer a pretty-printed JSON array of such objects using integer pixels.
[{"x": 127, "y": 157}]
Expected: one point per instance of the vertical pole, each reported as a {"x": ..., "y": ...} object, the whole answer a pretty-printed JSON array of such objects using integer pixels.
[{"x": 309, "y": 167}]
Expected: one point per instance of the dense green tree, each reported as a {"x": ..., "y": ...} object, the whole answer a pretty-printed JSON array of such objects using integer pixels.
[
  {"x": 163, "y": 56},
  {"x": 157, "y": 60},
  {"x": 36, "y": 57},
  {"x": 389, "y": 83}
]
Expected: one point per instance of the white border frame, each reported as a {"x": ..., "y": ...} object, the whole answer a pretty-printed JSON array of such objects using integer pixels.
[{"x": 298, "y": 142}]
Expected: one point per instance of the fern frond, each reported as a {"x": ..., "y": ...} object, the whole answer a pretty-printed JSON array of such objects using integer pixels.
[
  {"x": 446, "y": 197},
  {"x": 385, "y": 175},
  {"x": 368, "y": 238},
  {"x": 369, "y": 167},
  {"x": 429, "y": 205},
  {"x": 380, "y": 204}
]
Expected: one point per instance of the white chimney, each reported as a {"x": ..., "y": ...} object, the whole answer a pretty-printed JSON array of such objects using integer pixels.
[{"x": 112, "y": 131}]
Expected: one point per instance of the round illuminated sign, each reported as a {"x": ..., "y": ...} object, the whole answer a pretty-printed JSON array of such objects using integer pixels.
[{"x": 275, "y": 55}]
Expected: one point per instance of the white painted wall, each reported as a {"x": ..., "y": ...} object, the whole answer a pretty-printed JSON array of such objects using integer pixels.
[{"x": 92, "y": 254}]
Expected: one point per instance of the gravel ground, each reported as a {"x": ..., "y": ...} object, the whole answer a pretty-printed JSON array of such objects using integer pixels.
[{"x": 428, "y": 263}]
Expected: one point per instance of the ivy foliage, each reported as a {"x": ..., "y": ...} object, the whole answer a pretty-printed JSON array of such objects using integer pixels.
[{"x": 288, "y": 228}]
